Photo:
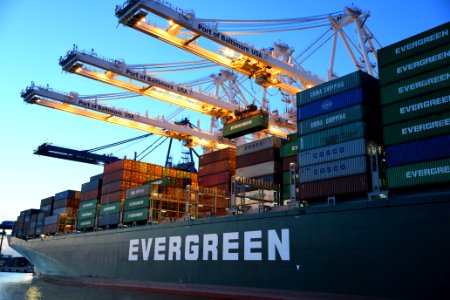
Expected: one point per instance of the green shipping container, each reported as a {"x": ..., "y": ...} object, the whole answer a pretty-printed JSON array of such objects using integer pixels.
[
  {"x": 416, "y": 86},
  {"x": 247, "y": 125},
  {"x": 336, "y": 86},
  {"x": 137, "y": 203},
  {"x": 293, "y": 137},
  {"x": 159, "y": 181},
  {"x": 289, "y": 149},
  {"x": 87, "y": 223},
  {"x": 90, "y": 204},
  {"x": 417, "y": 107},
  {"x": 333, "y": 136},
  {"x": 417, "y": 129},
  {"x": 333, "y": 119},
  {"x": 110, "y": 208},
  {"x": 415, "y": 65},
  {"x": 286, "y": 192},
  {"x": 430, "y": 172},
  {"x": 416, "y": 44},
  {"x": 86, "y": 214},
  {"x": 135, "y": 215}
]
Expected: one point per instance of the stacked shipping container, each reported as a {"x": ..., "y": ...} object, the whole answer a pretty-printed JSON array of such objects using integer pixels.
[
  {"x": 90, "y": 197},
  {"x": 289, "y": 154},
  {"x": 216, "y": 169},
  {"x": 415, "y": 98},
  {"x": 336, "y": 121},
  {"x": 137, "y": 204},
  {"x": 63, "y": 216}
]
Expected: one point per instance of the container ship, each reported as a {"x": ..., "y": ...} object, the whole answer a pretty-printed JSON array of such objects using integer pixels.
[{"x": 354, "y": 205}]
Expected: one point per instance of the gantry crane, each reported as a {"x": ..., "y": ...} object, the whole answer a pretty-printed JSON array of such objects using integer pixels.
[
  {"x": 184, "y": 31},
  {"x": 119, "y": 74},
  {"x": 91, "y": 108}
]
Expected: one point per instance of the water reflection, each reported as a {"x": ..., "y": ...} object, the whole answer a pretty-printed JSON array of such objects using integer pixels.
[{"x": 28, "y": 287}]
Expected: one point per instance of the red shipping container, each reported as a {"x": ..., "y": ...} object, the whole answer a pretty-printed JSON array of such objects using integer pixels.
[
  {"x": 288, "y": 160},
  {"x": 116, "y": 176},
  {"x": 217, "y": 167},
  {"x": 112, "y": 197},
  {"x": 215, "y": 179},
  {"x": 257, "y": 157},
  {"x": 93, "y": 194},
  {"x": 344, "y": 185},
  {"x": 123, "y": 164},
  {"x": 224, "y": 154}
]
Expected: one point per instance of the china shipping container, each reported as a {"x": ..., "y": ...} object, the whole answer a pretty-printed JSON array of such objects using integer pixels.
[
  {"x": 413, "y": 66},
  {"x": 87, "y": 214},
  {"x": 359, "y": 95},
  {"x": 336, "y": 186},
  {"x": 422, "y": 42},
  {"x": 430, "y": 172},
  {"x": 270, "y": 142},
  {"x": 336, "y": 86},
  {"x": 338, "y": 135},
  {"x": 337, "y": 118},
  {"x": 422, "y": 150},
  {"x": 333, "y": 169},
  {"x": 434, "y": 125},
  {"x": 416, "y": 107},
  {"x": 413, "y": 87}
]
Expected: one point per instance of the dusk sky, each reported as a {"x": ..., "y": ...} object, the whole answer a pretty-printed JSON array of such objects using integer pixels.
[{"x": 34, "y": 34}]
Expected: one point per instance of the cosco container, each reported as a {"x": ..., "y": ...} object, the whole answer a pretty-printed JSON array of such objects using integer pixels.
[
  {"x": 416, "y": 44},
  {"x": 339, "y": 85},
  {"x": 333, "y": 119},
  {"x": 417, "y": 151},
  {"x": 137, "y": 203},
  {"x": 340, "y": 101},
  {"x": 430, "y": 172},
  {"x": 138, "y": 191},
  {"x": 247, "y": 125},
  {"x": 258, "y": 145},
  {"x": 109, "y": 219},
  {"x": 416, "y": 86},
  {"x": 135, "y": 215},
  {"x": 87, "y": 214},
  {"x": 416, "y": 107},
  {"x": 86, "y": 223},
  {"x": 254, "y": 158},
  {"x": 333, "y": 152},
  {"x": 424, "y": 62},
  {"x": 333, "y": 169},
  {"x": 434, "y": 125},
  {"x": 88, "y": 204},
  {"x": 336, "y": 135},
  {"x": 223, "y": 154},
  {"x": 336, "y": 186},
  {"x": 111, "y": 208},
  {"x": 265, "y": 168}
]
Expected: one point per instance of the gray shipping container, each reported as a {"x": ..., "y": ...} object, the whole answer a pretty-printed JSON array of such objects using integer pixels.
[
  {"x": 338, "y": 168},
  {"x": 270, "y": 142},
  {"x": 261, "y": 169},
  {"x": 139, "y": 191},
  {"x": 333, "y": 152}
]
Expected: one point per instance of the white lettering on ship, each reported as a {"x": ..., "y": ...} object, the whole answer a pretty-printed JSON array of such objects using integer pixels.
[{"x": 256, "y": 246}]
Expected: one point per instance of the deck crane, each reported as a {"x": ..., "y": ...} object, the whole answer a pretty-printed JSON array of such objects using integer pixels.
[
  {"x": 92, "y": 109},
  {"x": 239, "y": 56},
  {"x": 119, "y": 74}
]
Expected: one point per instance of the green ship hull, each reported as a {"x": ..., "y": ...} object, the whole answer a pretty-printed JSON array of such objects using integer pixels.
[{"x": 397, "y": 248}]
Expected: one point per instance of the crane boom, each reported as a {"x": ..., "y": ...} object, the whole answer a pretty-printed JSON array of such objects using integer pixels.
[
  {"x": 88, "y": 108},
  {"x": 82, "y": 63},
  {"x": 259, "y": 64}
]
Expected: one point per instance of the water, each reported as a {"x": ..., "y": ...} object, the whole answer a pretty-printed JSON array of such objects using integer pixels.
[{"x": 26, "y": 286}]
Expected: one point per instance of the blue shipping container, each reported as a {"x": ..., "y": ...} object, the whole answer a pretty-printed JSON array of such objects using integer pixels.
[
  {"x": 418, "y": 151},
  {"x": 339, "y": 101}
]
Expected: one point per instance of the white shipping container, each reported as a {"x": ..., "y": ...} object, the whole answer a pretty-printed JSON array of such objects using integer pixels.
[
  {"x": 270, "y": 142},
  {"x": 265, "y": 168}
]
